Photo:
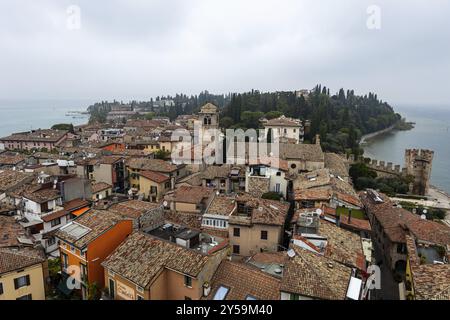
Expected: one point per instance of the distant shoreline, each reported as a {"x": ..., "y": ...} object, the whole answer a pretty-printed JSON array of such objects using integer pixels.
[{"x": 372, "y": 135}]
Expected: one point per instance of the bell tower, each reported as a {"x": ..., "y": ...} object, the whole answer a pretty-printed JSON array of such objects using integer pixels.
[{"x": 209, "y": 120}]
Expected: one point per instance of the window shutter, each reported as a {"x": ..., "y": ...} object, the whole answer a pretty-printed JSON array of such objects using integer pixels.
[{"x": 16, "y": 284}]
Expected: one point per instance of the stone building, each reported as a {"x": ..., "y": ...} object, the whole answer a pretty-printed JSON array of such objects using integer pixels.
[{"x": 418, "y": 163}]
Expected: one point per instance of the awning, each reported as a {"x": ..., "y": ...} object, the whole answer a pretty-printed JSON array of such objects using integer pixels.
[{"x": 79, "y": 212}]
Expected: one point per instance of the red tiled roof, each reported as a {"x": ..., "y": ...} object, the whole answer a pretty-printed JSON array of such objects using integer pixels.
[
  {"x": 154, "y": 176},
  {"x": 243, "y": 281},
  {"x": 75, "y": 204},
  {"x": 54, "y": 215}
]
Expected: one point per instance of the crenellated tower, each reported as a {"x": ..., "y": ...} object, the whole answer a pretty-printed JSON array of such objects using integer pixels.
[{"x": 418, "y": 163}]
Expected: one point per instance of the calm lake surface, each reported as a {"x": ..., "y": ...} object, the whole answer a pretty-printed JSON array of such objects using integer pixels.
[
  {"x": 23, "y": 115},
  {"x": 432, "y": 131}
]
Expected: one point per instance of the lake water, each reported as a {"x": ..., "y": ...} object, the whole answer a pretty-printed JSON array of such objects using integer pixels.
[
  {"x": 432, "y": 131},
  {"x": 23, "y": 115}
]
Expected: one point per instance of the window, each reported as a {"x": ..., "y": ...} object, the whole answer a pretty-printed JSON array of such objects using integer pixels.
[
  {"x": 294, "y": 296},
  {"x": 187, "y": 298},
  {"x": 83, "y": 269},
  {"x": 236, "y": 232},
  {"x": 293, "y": 166},
  {"x": 112, "y": 292},
  {"x": 140, "y": 298},
  {"x": 221, "y": 293},
  {"x": 236, "y": 249},
  {"x": 277, "y": 187},
  {"x": 55, "y": 222},
  {"x": 401, "y": 248},
  {"x": 25, "y": 297},
  {"x": 188, "y": 281},
  {"x": 65, "y": 261},
  {"x": 278, "y": 173},
  {"x": 250, "y": 297},
  {"x": 263, "y": 235},
  {"x": 51, "y": 241},
  {"x": 1, "y": 288},
  {"x": 22, "y": 282}
]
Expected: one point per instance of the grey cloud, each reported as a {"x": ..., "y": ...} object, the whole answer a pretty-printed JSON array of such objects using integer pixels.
[{"x": 139, "y": 49}]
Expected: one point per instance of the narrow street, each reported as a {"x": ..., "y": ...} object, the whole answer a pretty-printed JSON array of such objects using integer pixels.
[{"x": 389, "y": 287}]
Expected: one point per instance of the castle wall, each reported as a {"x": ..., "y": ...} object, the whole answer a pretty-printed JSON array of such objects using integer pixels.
[{"x": 418, "y": 163}]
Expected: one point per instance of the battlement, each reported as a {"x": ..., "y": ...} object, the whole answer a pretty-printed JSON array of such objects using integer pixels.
[
  {"x": 418, "y": 154},
  {"x": 388, "y": 167},
  {"x": 418, "y": 164}
]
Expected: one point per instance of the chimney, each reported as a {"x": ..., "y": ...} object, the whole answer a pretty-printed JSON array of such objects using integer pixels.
[{"x": 318, "y": 139}]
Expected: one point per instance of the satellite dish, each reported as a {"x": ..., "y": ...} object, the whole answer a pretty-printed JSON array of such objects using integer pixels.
[
  {"x": 423, "y": 217},
  {"x": 260, "y": 209},
  {"x": 319, "y": 211},
  {"x": 165, "y": 203},
  {"x": 100, "y": 196}
]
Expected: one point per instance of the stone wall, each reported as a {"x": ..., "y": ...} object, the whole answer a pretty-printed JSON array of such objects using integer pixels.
[{"x": 257, "y": 186}]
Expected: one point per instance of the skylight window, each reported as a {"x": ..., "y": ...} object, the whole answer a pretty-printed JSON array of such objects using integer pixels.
[
  {"x": 221, "y": 293},
  {"x": 249, "y": 297}
]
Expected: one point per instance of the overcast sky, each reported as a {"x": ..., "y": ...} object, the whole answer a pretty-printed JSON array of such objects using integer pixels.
[{"x": 140, "y": 49}]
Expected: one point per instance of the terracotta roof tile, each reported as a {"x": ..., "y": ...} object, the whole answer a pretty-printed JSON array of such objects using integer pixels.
[
  {"x": 312, "y": 275},
  {"x": 154, "y": 176},
  {"x": 18, "y": 258},
  {"x": 243, "y": 281},
  {"x": 141, "y": 257}
]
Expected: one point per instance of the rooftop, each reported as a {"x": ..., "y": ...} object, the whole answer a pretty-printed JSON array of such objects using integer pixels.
[
  {"x": 147, "y": 164},
  {"x": 221, "y": 205},
  {"x": 154, "y": 176},
  {"x": 313, "y": 275},
  {"x": 88, "y": 227},
  {"x": 396, "y": 221},
  {"x": 133, "y": 208},
  {"x": 336, "y": 164},
  {"x": 75, "y": 204},
  {"x": 431, "y": 281},
  {"x": 11, "y": 178},
  {"x": 11, "y": 158},
  {"x": 42, "y": 195},
  {"x": 238, "y": 281},
  {"x": 100, "y": 186},
  {"x": 260, "y": 211},
  {"x": 11, "y": 231},
  {"x": 40, "y": 135},
  {"x": 141, "y": 257},
  {"x": 303, "y": 151},
  {"x": 12, "y": 259},
  {"x": 283, "y": 121},
  {"x": 209, "y": 108},
  {"x": 191, "y": 194}
]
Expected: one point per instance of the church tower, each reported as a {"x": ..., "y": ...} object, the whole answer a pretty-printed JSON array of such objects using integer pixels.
[{"x": 209, "y": 120}]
